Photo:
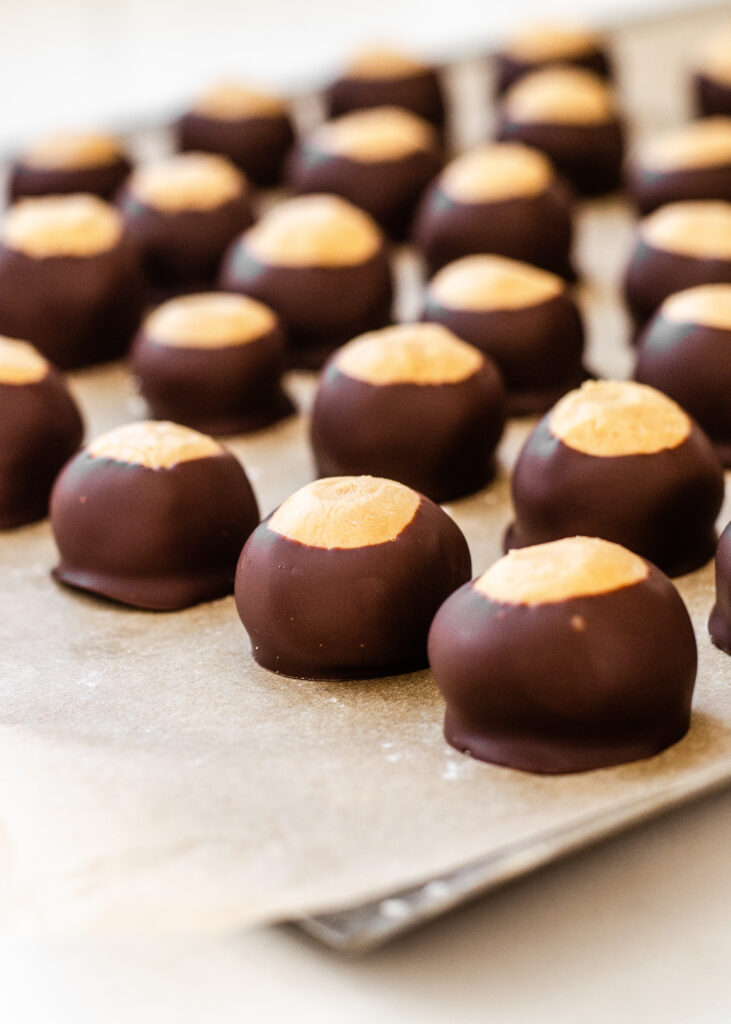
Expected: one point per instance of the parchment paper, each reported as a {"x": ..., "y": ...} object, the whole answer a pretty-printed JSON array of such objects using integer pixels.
[{"x": 152, "y": 778}]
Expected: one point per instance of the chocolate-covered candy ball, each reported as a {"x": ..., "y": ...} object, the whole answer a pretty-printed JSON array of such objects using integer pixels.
[
  {"x": 61, "y": 164},
  {"x": 712, "y": 74},
  {"x": 183, "y": 212},
  {"x": 387, "y": 78},
  {"x": 619, "y": 460},
  {"x": 380, "y": 159},
  {"x": 251, "y": 128},
  {"x": 563, "y": 657},
  {"x": 685, "y": 351},
  {"x": 153, "y": 515},
  {"x": 539, "y": 46},
  {"x": 499, "y": 198},
  {"x": 412, "y": 403},
  {"x": 691, "y": 162},
  {"x": 719, "y": 624},
  {"x": 40, "y": 429},
  {"x": 343, "y": 580},
  {"x": 571, "y": 115},
  {"x": 212, "y": 361},
  {"x": 522, "y": 317},
  {"x": 322, "y": 265},
  {"x": 70, "y": 279},
  {"x": 679, "y": 246}
]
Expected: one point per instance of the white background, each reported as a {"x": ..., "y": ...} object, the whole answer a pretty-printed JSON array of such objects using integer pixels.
[{"x": 637, "y": 930}]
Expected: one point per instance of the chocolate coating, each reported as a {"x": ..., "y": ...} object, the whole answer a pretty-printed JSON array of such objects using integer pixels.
[
  {"x": 654, "y": 274},
  {"x": 711, "y": 95},
  {"x": 568, "y": 686},
  {"x": 438, "y": 439},
  {"x": 650, "y": 188},
  {"x": 257, "y": 145},
  {"x": 321, "y": 307},
  {"x": 348, "y": 613},
  {"x": 189, "y": 524},
  {"x": 719, "y": 624},
  {"x": 535, "y": 229},
  {"x": 691, "y": 363},
  {"x": 182, "y": 249},
  {"x": 387, "y": 189},
  {"x": 509, "y": 68},
  {"x": 589, "y": 156},
  {"x": 538, "y": 348},
  {"x": 419, "y": 91},
  {"x": 29, "y": 179},
  {"x": 228, "y": 389},
  {"x": 663, "y": 505},
  {"x": 40, "y": 429},
  {"x": 77, "y": 310}
]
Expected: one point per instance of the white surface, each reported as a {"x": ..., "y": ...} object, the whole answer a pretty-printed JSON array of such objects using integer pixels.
[
  {"x": 635, "y": 932},
  {"x": 76, "y": 62}
]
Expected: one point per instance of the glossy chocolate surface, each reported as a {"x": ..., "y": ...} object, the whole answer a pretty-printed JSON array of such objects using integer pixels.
[
  {"x": 257, "y": 145},
  {"x": 535, "y": 229},
  {"x": 320, "y": 307},
  {"x": 40, "y": 429},
  {"x": 221, "y": 390},
  {"x": 719, "y": 624},
  {"x": 662, "y": 506},
  {"x": 509, "y": 68},
  {"x": 76, "y": 310},
  {"x": 589, "y": 156},
  {"x": 691, "y": 363},
  {"x": 181, "y": 249},
  {"x": 387, "y": 189},
  {"x": 349, "y": 613},
  {"x": 654, "y": 274},
  {"x": 538, "y": 348},
  {"x": 438, "y": 439},
  {"x": 420, "y": 92},
  {"x": 27, "y": 179},
  {"x": 570, "y": 686},
  {"x": 161, "y": 539}
]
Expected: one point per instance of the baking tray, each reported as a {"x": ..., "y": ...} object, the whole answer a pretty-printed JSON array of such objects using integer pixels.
[{"x": 136, "y": 769}]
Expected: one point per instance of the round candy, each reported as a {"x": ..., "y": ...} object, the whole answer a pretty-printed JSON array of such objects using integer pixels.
[
  {"x": 522, "y": 317},
  {"x": 564, "y": 657},
  {"x": 153, "y": 515},
  {"x": 501, "y": 198},
  {"x": 383, "y": 78},
  {"x": 539, "y": 46},
  {"x": 619, "y": 460},
  {"x": 212, "y": 361},
  {"x": 322, "y": 265},
  {"x": 571, "y": 115},
  {"x": 380, "y": 159},
  {"x": 40, "y": 429},
  {"x": 712, "y": 75},
  {"x": 412, "y": 403},
  {"x": 719, "y": 624},
  {"x": 183, "y": 211},
  {"x": 685, "y": 351},
  {"x": 61, "y": 164},
  {"x": 70, "y": 279},
  {"x": 343, "y": 580},
  {"x": 677, "y": 247},
  {"x": 691, "y": 162},
  {"x": 251, "y": 128}
]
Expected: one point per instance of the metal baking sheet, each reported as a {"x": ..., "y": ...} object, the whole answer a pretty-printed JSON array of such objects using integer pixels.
[{"x": 153, "y": 778}]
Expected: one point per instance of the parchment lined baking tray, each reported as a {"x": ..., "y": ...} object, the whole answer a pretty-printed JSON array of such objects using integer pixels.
[{"x": 153, "y": 778}]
